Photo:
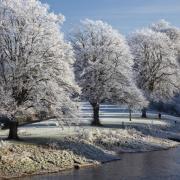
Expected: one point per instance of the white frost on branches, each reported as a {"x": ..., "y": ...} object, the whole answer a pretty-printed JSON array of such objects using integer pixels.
[
  {"x": 36, "y": 63},
  {"x": 171, "y": 31},
  {"x": 156, "y": 66},
  {"x": 103, "y": 63}
]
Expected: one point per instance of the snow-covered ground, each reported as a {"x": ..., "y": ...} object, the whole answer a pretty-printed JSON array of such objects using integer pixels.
[
  {"x": 115, "y": 115},
  {"x": 109, "y": 115},
  {"x": 90, "y": 144}
]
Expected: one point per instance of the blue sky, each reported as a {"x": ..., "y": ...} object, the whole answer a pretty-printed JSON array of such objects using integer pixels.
[{"x": 124, "y": 15}]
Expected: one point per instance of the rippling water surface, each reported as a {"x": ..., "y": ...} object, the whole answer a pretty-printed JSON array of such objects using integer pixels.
[{"x": 158, "y": 165}]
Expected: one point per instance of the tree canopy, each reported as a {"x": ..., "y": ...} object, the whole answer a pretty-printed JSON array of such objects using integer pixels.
[{"x": 36, "y": 64}]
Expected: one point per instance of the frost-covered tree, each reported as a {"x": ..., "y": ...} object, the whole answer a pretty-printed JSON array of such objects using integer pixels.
[
  {"x": 160, "y": 26},
  {"x": 103, "y": 64},
  {"x": 36, "y": 64},
  {"x": 156, "y": 65},
  {"x": 132, "y": 97},
  {"x": 171, "y": 31}
]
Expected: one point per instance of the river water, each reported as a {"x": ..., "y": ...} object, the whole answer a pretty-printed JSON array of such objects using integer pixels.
[{"x": 157, "y": 165}]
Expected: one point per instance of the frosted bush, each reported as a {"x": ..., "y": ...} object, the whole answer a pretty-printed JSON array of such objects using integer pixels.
[
  {"x": 133, "y": 132},
  {"x": 4, "y": 144},
  {"x": 53, "y": 145},
  {"x": 88, "y": 135},
  {"x": 97, "y": 132}
]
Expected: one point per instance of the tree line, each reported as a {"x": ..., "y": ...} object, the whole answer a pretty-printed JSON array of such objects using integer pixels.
[{"x": 42, "y": 73}]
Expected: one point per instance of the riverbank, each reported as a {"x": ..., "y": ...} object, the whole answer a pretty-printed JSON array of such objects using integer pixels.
[
  {"x": 86, "y": 146},
  {"x": 161, "y": 165},
  {"x": 17, "y": 159}
]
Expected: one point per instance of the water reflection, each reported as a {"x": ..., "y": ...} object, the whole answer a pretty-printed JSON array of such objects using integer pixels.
[{"x": 159, "y": 165}]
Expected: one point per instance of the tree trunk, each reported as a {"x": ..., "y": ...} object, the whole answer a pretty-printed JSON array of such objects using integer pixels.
[
  {"x": 130, "y": 115},
  {"x": 96, "y": 121},
  {"x": 159, "y": 115},
  {"x": 144, "y": 115},
  {"x": 13, "y": 129}
]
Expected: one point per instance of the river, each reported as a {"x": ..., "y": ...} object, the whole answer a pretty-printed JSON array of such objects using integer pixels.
[{"x": 157, "y": 165}]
